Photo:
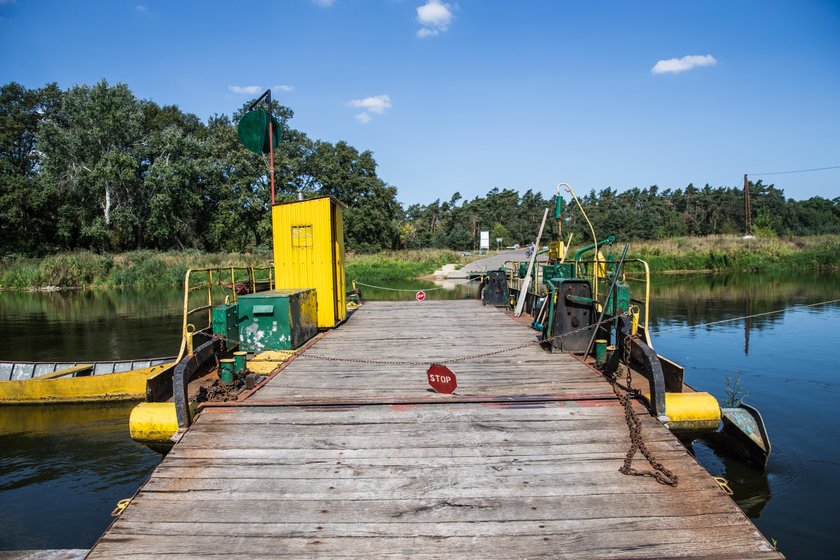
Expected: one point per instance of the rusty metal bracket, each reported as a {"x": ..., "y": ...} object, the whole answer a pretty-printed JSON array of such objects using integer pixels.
[
  {"x": 183, "y": 374},
  {"x": 643, "y": 355}
]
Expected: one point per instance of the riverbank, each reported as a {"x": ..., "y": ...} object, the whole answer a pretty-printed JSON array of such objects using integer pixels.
[
  {"x": 146, "y": 269},
  {"x": 718, "y": 253},
  {"x": 150, "y": 269},
  {"x": 140, "y": 269}
]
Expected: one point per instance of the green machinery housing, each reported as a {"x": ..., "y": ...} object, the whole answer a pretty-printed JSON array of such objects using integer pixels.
[{"x": 271, "y": 320}]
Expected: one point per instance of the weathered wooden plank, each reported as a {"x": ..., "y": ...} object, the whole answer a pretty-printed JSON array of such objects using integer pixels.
[
  {"x": 155, "y": 507},
  {"x": 637, "y": 543},
  {"x": 454, "y": 528}
]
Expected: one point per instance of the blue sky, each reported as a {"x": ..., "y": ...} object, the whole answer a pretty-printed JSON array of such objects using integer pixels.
[{"x": 473, "y": 94}]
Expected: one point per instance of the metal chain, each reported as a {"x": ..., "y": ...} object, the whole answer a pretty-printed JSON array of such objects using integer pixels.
[
  {"x": 415, "y": 290},
  {"x": 458, "y": 358},
  {"x": 662, "y": 474}
]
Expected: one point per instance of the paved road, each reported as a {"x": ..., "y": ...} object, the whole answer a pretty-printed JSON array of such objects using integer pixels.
[{"x": 491, "y": 262}]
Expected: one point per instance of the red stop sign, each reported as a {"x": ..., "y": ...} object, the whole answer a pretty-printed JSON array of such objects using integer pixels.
[
  {"x": 442, "y": 379},
  {"x": 421, "y": 295}
]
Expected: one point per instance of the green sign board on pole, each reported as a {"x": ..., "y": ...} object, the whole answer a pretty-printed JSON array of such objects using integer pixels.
[{"x": 253, "y": 131}]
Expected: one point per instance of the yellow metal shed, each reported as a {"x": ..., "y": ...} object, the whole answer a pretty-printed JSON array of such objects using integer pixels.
[{"x": 309, "y": 253}]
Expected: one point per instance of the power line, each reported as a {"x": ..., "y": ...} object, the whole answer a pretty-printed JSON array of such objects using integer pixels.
[{"x": 798, "y": 171}]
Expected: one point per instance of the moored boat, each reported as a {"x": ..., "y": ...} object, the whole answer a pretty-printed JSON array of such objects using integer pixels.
[{"x": 46, "y": 382}]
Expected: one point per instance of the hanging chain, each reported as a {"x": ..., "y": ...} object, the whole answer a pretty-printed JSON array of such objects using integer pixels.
[
  {"x": 662, "y": 474},
  {"x": 457, "y": 358}
]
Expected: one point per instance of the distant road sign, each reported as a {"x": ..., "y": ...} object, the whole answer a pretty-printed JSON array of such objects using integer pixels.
[
  {"x": 421, "y": 295},
  {"x": 442, "y": 379}
]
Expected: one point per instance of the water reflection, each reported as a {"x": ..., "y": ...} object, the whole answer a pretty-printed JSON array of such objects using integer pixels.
[
  {"x": 784, "y": 363},
  {"x": 89, "y": 325},
  {"x": 62, "y": 470}
]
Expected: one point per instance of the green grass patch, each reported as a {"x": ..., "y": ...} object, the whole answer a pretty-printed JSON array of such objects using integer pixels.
[{"x": 389, "y": 266}]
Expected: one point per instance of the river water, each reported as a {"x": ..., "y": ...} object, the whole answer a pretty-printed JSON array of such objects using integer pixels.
[{"x": 62, "y": 469}]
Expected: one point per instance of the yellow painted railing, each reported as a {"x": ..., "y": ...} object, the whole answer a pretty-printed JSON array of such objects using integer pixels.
[
  {"x": 638, "y": 271},
  {"x": 213, "y": 282}
]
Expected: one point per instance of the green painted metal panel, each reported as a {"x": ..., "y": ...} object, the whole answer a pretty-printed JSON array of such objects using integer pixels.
[
  {"x": 622, "y": 298},
  {"x": 277, "y": 319},
  {"x": 225, "y": 323}
]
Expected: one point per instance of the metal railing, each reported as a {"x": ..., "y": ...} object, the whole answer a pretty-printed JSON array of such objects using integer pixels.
[{"x": 213, "y": 282}]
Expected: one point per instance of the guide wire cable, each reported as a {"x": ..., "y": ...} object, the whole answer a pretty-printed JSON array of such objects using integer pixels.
[
  {"x": 415, "y": 290},
  {"x": 743, "y": 317}
]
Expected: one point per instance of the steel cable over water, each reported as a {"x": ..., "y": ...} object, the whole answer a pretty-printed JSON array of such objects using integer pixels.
[{"x": 741, "y": 318}]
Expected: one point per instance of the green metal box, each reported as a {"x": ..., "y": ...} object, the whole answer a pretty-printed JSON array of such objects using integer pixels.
[
  {"x": 226, "y": 324},
  {"x": 277, "y": 319}
]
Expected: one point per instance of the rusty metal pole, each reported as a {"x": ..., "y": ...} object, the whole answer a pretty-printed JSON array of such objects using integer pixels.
[
  {"x": 747, "y": 211},
  {"x": 271, "y": 147}
]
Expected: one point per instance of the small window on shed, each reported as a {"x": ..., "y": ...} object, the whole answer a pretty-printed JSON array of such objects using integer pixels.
[{"x": 301, "y": 237}]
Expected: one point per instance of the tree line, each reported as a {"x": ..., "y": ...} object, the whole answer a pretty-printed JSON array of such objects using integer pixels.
[{"x": 94, "y": 167}]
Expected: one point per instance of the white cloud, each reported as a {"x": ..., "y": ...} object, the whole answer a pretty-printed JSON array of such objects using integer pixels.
[
  {"x": 283, "y": 88},
  {"x": 677, "y": 65},
  {"x": 324, "y": 3},
  {"x": 374, "y": 105},
  {"x": 434, "y": 17},
  {"x": 245, "y": 90},
  {"x": 140, "y": 8}
]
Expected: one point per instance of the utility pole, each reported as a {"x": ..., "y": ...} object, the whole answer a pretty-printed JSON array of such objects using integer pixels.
[{"x": 747, "y": 212}]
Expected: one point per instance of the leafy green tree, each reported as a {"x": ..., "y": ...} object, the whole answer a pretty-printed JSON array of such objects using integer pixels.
[
  {"x": 25, "y": 201},
  {"x": 499, "y": 232},
  {"x": 460, "y": 239},
  {"x": 89, "y": 158}
]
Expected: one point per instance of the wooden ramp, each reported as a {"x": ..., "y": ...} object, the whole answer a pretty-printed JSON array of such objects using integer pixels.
[{"x": 341, "y": 459}]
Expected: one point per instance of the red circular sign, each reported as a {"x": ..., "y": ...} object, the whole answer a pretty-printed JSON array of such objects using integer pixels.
[
  {"x": 421, "y": 295},
  {"x": 442, "y": 379}
]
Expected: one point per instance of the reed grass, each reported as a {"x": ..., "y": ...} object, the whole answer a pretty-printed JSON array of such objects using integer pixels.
[
  {"x": 85, "y": 269},
  {"x": 146, "y": 269},
  {"x": 734, "y": 253}
]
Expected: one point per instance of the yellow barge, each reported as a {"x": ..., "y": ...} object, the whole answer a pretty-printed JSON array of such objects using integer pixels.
[{"x": 50, "y": 382}]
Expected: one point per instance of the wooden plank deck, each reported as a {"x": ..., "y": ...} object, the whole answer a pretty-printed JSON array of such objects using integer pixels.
[{"x": 338, "y": 459}]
